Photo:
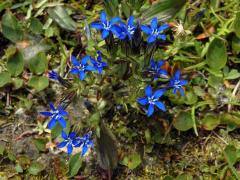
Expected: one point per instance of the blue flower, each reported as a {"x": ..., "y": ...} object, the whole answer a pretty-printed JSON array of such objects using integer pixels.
[
  {"x": 85, "y": 142},
  {"x": 53, "y": 75},
  {"x": 152, "y": 99},
  {"x": 128, "y": 29},
  {"x": 176, "y": 83},
  {"x": 155, "y": 69},
  {"x": 98, "y": 64},
  {"x": 57, "y": 115},
  {"x": 154, "y": 31},
  {"x": 80, "y": 67},
  {"x": 106, "y": 26},
  {"x": 68, "y": 140}
]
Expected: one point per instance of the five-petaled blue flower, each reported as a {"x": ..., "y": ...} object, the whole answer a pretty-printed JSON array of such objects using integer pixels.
[
  {"x": 80, "y": 67},
  {"x": 85, "y": 142},
  {"x": 106, "y": 26},
  {"x": 53, "y": 75},
  {"x": 127, "y": 30},
  {"x": 154, "y": 31},
  {"x": 68, "y": 140},
  {"x": 152, "y": 99},
  {"x": 98, "y": 64},
  {"x": 176, "y": 83},
  {"x": 57, "y": 115},
  {"x": 155, "y": 69}
]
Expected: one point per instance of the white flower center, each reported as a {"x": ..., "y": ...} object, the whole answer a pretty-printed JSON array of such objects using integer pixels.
[
  {"x": 106, "y": 26},
  {"x": 151, "y": 100},
  {"x": 177, "y": 84}
]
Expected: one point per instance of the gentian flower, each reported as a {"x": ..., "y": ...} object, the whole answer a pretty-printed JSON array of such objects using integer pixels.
[
  {"x": 81, "y": 67},
  {"x": 176, "y": 83},
  {"x": 53, "y": 75},
  {"x": 152, "y": 99},
  {"x": 128, "y": 29},
  {"x": 68, "y": 140},
  {"x": 85, "y": 142},
  {"x": 154, "y": 31},
  {"x": 155, "y": 69},
  {"x": 106, "y": 26},
  {"x": 57, "y": 115},
  {"x": 98, "y": 64}
]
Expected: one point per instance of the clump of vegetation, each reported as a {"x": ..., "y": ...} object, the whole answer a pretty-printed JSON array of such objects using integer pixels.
[{"x": 130, "y": 84}]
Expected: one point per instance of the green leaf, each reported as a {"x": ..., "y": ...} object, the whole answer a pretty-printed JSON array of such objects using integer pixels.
[
  {"x": 61, "y": 17},
  {"x": 233, "y": 74},
  {"x": 17, "y": 82},
  {"x": 132, "y": 161},
  {"x": 107, "y": 148},
  {"x": 236, "y": 44},
  {"x": 210, "y": 121},
  {"x": 40, "y": 143},
  {"x": 11, "y": 28},
  {"x": 190, "y": 98},
  {"x": 36, "y": 26},
  {"x": 15, "y": 64},
  {"x": 237, "y": 25},
  {"x": 74, "y": 165},
  {"x": 5, "y": 78},
  {"x": 2, "y": 148},
  {"x": 38, "y": 83},
  {"x": 38, "y": 64},
  {"x": 163, "y": 10},
  {"x": 183, "y": 121},
  {"x": 217, "y": 54},
  {"x": 214, "y": 81},
  {"x": 18, "y": 168},
  {"x": 35, "y": 168},
  {"x": 184, "y": 177}
]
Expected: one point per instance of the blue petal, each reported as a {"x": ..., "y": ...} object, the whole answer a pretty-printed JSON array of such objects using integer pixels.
[
  {"x": 148, "y": 91},
  {"x": 146, "y": 29},
  {"x": 98, "y": 26},
  {"x": 90, "y": 68},
  {"x": 62, "y": 144},
  {"x": 163, "y": 27},
  {"x": 84, "y": 149},
  {"x": 159, "y": 93},
  {"x": 103, "y": 16},
  {"x": 74, "y": 61},
  {"x": 175, "y": 90},
  {"x": 143, "y": 101},
  {"x": 105, "y": 34},
  {"x": 177, "y": 75},
  {"x": 69, "y": 149},
  {"x": 114, "y": 20},
  {"x": 82, "y": 75},
  {"x": 63, "y": 113},
  {"x": 52, "y": 106},
  {"x": 62, "y": 122},
  {"x": 131, "y": 21},
  {"x": 160, "y": 105},
  {"x": 171, "y": 82},
  {"x": 151, "y": 39},
  {"x": 181, "y": 91},
  {"x": 154, "y": 23},
  {"x": 100, "y": 70},
  {"x": 162, "y": 36},
  {"x": 150, "y": 110},
  {"x": 72, "y": 135},
  {"x": 52, "y": 123},
  {"x": 46, "y": 113},
  {"x": 183, "y": 82},
  {"x": 64, "y": 135},
  {"x": 85, "y": 60},
  {"x": 74, "y": 71}
]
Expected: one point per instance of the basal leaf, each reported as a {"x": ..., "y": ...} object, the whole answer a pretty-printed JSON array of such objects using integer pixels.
[
  {"x": 15, "y": 64},
  {"x": 38, "y": 83}
]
